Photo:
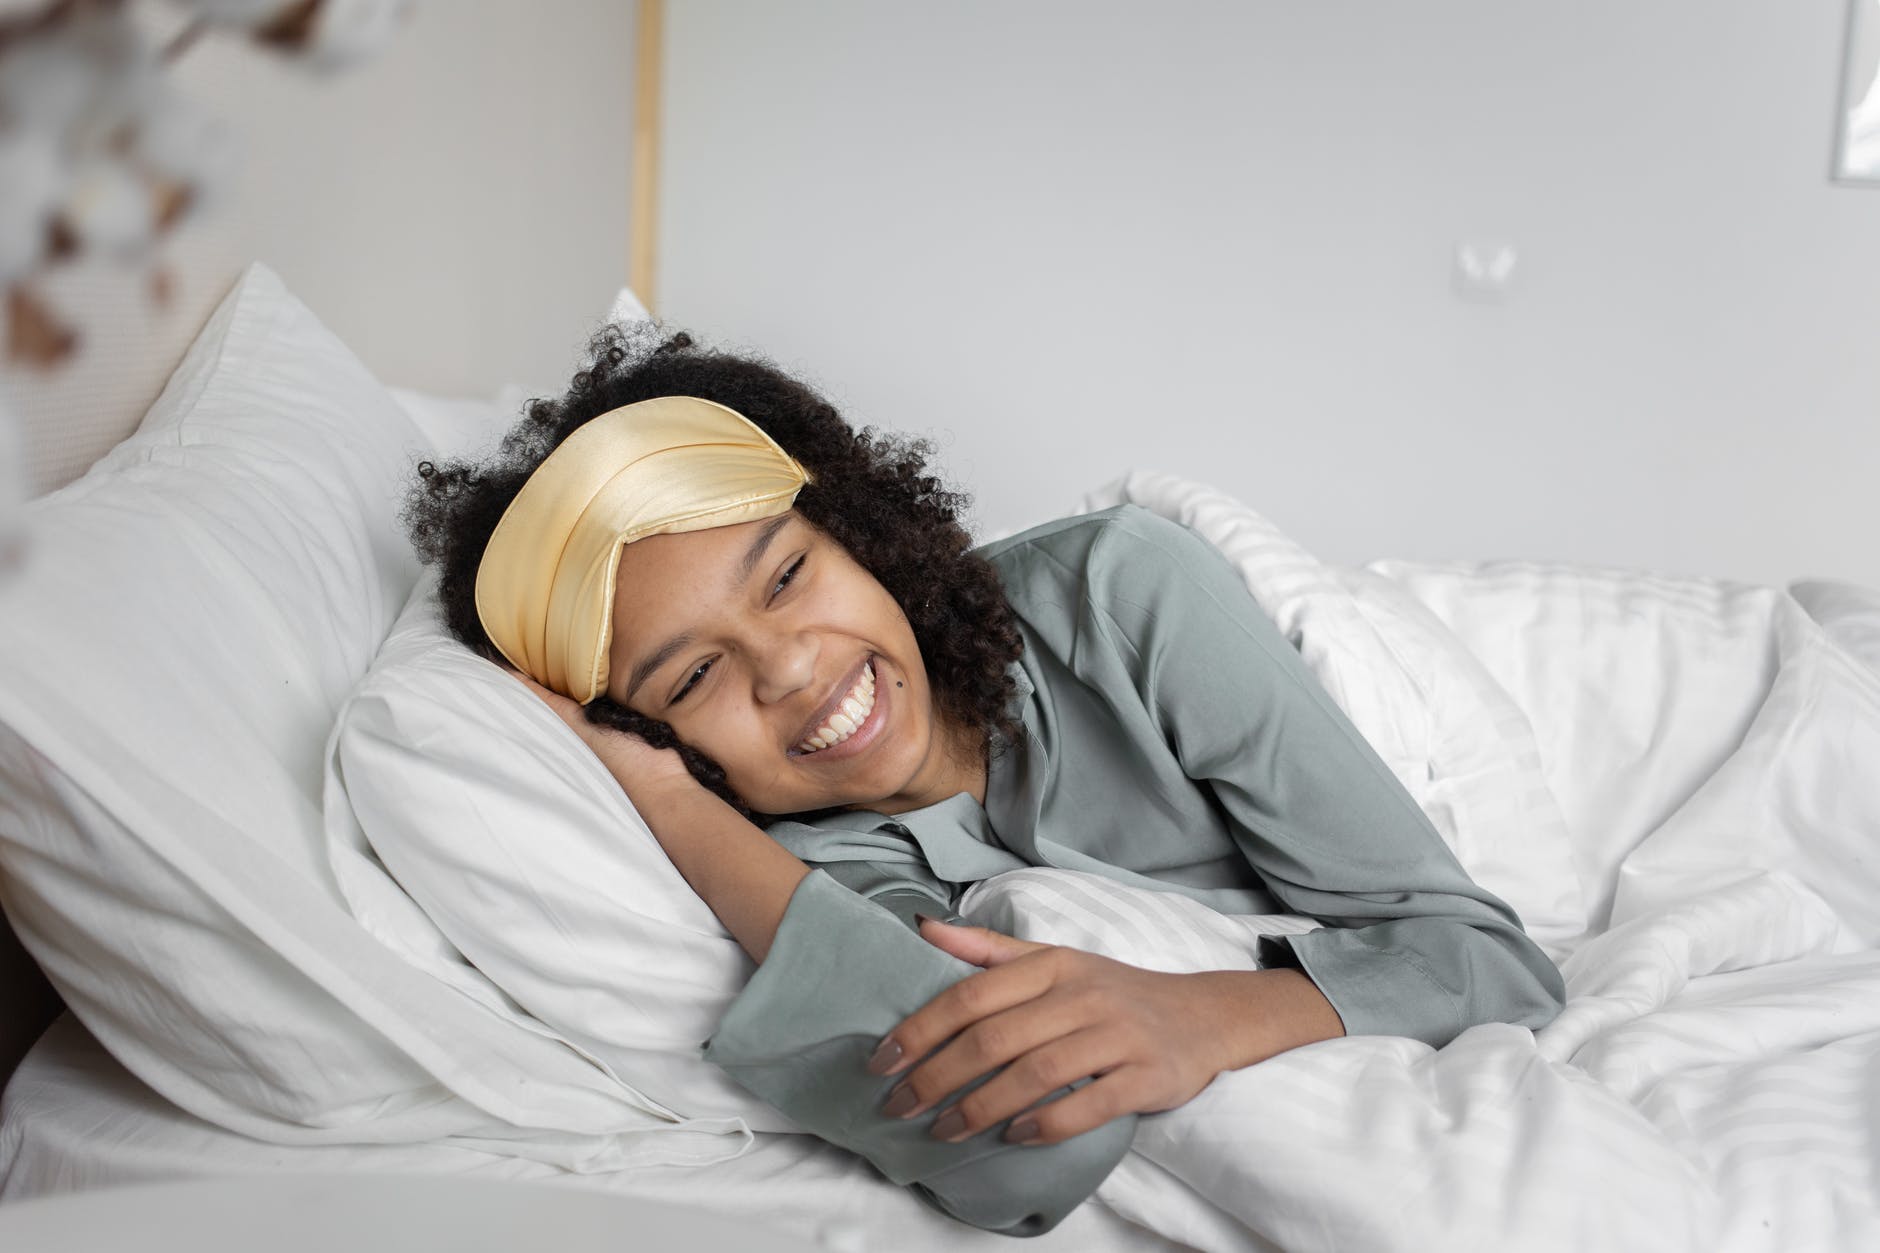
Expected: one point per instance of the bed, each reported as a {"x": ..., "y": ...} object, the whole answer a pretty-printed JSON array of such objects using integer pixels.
[{"x": 259, "y": 828}]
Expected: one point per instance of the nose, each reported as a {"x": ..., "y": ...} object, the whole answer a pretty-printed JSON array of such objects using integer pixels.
[{"x": 784, "y": 665}]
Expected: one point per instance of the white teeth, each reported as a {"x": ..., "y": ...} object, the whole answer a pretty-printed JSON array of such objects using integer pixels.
[{"x": 848, "y": 718}]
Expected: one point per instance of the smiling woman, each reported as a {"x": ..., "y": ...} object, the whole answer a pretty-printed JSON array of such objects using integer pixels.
[
  {"x": 803, "y": 682},
  {"x": 874, "y": 539},
  {"x": 840, "y": 716}
]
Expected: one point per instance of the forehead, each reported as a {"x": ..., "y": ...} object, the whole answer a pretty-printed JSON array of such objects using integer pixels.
[{"x": 666, "y": 582}]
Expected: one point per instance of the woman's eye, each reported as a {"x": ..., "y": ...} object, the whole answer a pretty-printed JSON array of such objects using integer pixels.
[
  {"x": 783, "y": 582},
  {"x": 789, "y": 574},
  {"x": 696, "y": 674}
]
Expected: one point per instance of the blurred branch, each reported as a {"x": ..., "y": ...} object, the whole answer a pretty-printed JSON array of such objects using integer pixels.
[{"x": 99, "y": 154}]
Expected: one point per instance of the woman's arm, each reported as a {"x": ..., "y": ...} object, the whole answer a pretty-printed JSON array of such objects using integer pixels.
[
  {"x": 746, "y": 877},
  {"x": 1152, "y": 1039},
  {"x": 837, "y": 972},
  {"x": 1417, "y": 948},
  {"x": 1173, "y": 640},
  {"x": 842, "y": 971}
]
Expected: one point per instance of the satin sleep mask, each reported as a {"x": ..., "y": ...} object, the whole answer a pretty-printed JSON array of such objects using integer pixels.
[{"x": 545, "y": 585}]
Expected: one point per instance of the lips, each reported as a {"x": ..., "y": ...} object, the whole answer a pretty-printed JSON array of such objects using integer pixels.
[{"x": 829, "y": 706}]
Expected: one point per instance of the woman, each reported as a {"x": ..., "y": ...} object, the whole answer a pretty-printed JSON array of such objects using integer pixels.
[{"x": 839, "y": 716}]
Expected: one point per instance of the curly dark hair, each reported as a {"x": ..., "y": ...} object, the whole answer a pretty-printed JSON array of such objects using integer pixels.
[{"x": 872, "y": 495}]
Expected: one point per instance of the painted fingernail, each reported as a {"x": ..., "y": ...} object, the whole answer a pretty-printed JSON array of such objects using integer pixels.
[
  {"x": 900, "y": 1103},
  {"x": 886, "y": 1054},
  {"x": 1022, "y": 1130},
  {"x": 950, "y": 1126}
]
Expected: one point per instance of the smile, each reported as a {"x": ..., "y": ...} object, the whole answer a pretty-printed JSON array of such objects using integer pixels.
[{"x": 853, "y": 713}]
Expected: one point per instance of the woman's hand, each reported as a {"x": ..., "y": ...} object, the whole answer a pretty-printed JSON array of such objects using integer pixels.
[
  {"x": 1152, "y": 1040},
  {"x": 743, "y": 875},
  {"x": 637, "y": 766}
]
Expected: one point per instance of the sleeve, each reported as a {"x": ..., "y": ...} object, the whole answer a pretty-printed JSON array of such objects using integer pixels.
[
  {"x": 843, "y": 970},
  {"x": 1414, "y": 946}
]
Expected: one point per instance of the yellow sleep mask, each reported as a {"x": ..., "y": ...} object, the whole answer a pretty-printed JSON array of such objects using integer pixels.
[{"x": 545, "y": 585}]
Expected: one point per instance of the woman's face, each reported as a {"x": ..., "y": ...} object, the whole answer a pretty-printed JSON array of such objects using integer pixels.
[{"x": 756, "y": 642}]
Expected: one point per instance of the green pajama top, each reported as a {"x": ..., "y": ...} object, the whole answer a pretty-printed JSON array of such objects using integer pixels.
[{"x": 1176, "y": 741}]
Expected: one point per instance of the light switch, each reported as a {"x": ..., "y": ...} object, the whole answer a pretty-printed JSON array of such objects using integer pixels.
[{"x": 1485, "y": 268}]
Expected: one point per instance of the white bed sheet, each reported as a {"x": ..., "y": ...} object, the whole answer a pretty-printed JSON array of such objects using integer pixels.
[{"x": 73, "y": 1119}]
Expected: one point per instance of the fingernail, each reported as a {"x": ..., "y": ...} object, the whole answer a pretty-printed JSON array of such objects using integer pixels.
[
  {"x": 900, "y": 1102},
  {"x": 886, "y": 1054},
  {"x": 949, "y": 1125},
  {"x": 920, "y": 918},
  {"x": 1022, "y": 1130}
]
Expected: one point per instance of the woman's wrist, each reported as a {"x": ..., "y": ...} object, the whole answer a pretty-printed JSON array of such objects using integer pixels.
[
  {"x": 746, "y": 877},
  {"x": 1257, "y": 1014},
  {"x": 664, "y": 797}
]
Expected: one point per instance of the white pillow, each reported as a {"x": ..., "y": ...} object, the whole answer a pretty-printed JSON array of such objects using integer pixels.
[
  {"x": 1848, "y": 612},
  {"x": 529, "y": 861},
  {"x": 1435, "y": 715},
  {"x": 461, "y": 426},
  {"x": 192, "y": 614},
  {"x": 627, "y": 307}
]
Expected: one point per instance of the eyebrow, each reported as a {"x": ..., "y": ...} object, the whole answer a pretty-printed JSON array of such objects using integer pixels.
[{"x": 742, "y": 575}]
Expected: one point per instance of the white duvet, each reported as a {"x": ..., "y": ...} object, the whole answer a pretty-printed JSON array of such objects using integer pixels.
[{"x": 1701, "y": 763}]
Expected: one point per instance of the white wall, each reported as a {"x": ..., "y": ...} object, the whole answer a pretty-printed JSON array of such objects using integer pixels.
[
  {"x": 456, "y": 209},
  {"x": 1070, "y": 238}
]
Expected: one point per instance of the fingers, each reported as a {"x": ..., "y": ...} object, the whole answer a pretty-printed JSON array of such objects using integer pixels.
[
  {"x": 1039, "y": 1069},
  {"x": 979, "y": 1050},
  {"x": 981, "y": 946},
  {"x": 966, "y": 1002},
  {"x": 1086, "y": 1109}
]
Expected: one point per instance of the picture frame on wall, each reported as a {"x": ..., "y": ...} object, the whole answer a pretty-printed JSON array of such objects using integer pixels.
[{"x": 1857, "y": 130}]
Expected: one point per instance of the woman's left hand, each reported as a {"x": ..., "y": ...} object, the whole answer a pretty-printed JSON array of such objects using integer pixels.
[
  {"x": 1056, "y": 1015},
  {"x": 638, "y": 767}
]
